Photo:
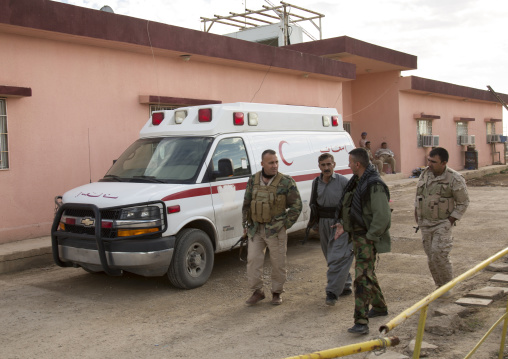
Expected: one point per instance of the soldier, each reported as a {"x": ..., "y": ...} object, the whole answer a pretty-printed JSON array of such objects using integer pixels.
[
  {"x": 441, "y": 199},
  {"x": 326, "y": 192},
  {"x": 271, "y": 205},
  {"x": 365, "y": 214}
]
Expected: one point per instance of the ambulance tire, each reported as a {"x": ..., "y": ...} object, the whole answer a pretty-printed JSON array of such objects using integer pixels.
[{"x": 192, "y": 261}]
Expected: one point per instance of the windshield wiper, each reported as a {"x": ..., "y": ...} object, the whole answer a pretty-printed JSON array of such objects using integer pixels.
[
  {"x": 114, "y": 177},
  {"x": 150, "y": 179}
]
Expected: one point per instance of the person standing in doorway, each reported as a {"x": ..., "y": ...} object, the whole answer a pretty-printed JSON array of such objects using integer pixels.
[
  {"x": 326, "y": 193},
  {"x": 363, "y": 140},
  {"x": 441, "y": 200},
  {"x": 271, "y": 205},
  {"x": 364, "y": 212}
]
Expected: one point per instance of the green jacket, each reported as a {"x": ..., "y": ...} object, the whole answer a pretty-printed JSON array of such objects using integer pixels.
[{"x": 376, "y": 214}]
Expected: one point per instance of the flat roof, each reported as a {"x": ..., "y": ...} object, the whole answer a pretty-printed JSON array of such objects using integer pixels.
[
  {"x": 367, "y": 57},
  {"x": 54, "y": 20}
]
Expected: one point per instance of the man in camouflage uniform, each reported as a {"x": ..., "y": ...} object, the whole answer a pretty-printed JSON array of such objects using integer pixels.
[
  {"x": 364, "y": 212},
  {"x": 271, "y": 205},
  {"x": 441, "y": 199}
]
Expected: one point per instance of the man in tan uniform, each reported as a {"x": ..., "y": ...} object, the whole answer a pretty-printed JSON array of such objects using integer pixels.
[{"x": 441, "y": 199}]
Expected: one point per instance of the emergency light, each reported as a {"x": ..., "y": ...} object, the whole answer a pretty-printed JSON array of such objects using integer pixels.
[
  {"x": 238, "y": 118},
  {"x": 180, "y": 116},
  {"x": 335, "y": 121},
  {"x": 253, "y": 119},
  {"x": 326, "y": 121},
  {"x": 157, "y": 118},
  {"x": 205, "y": 115}
]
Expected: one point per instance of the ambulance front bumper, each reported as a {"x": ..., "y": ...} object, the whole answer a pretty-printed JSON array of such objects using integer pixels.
[{"x": 148, "y": 257}]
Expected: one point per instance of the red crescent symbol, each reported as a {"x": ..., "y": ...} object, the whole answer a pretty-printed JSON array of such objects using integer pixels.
[{"x": 281, "y": 156}]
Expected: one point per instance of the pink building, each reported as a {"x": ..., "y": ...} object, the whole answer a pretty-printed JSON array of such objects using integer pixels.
[{"x": 76, "y": 86}]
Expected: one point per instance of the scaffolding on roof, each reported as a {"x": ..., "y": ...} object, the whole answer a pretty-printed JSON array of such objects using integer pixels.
[{"x": 285, "y": 13}]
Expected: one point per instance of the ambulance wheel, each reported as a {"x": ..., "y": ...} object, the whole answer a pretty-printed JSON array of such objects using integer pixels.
[{"x": 192, "y": 260}]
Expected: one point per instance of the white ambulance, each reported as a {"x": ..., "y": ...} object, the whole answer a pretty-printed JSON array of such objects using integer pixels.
[{"x": 174, "y": 197}]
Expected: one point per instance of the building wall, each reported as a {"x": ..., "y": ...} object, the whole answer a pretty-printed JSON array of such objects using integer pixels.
[
  {"x": 448, "y": 109},
  {"x": 84, "y": 111},
  {"x": 376, "y": 111}
]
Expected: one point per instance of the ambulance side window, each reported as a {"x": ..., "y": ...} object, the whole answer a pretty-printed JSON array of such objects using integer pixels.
[{"x": 229, "y": 160}]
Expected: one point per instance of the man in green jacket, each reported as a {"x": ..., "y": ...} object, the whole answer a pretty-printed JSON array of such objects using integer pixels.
[{"x": 364, "y": 212}]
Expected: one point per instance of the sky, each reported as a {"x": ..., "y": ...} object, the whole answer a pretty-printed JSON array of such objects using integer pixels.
[{"x": 464, "y": 42}]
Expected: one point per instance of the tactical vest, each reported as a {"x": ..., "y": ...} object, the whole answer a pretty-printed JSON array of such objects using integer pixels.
[
  {"x": 265, "y": 203},
  {"x": 435, "y": 201}
]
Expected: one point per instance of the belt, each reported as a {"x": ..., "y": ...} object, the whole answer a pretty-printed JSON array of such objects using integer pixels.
[
  {"x": 326, "y": 212},
  {"x": 359, "y": 232}
]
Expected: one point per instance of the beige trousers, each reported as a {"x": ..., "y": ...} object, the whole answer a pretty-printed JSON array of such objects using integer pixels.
[
  {"x": 437, "y": 244},
  {"x": 277, "y": 247},
  {"x": 389, "y": 160}
]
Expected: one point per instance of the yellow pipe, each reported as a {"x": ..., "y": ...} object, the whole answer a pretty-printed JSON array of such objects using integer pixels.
[
  {"x": 503, "y": 336},
  {"x": 351, "y": 349},
  {"x": 399, "y": 319},
  {"x": 419, "y": 333},
  {"x": 485, "y": 337}
]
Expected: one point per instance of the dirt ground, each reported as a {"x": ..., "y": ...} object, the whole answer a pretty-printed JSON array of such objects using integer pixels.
[{"x": 65, "y": 312}]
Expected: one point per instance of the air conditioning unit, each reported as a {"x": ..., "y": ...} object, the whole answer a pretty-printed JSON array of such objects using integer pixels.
[
  {"x": 493, "y": 138},
  {"x": 430, "y": 141},
  {"x": 467, "y": 140}
]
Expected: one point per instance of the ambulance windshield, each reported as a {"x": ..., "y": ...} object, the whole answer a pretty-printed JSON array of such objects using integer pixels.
[{"x": 164, "y": 160}]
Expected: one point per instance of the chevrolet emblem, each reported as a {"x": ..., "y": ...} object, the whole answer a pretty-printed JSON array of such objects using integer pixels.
[{"x": 87, "y": 222}]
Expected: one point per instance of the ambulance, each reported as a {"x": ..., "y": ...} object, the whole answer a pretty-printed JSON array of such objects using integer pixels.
[{"x": 174, "y": 198}]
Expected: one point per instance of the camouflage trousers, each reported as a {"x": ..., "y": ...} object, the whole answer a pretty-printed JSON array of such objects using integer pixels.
[
  {"x": 437, "y": 244},
  {"x": 367, "y": 290}
]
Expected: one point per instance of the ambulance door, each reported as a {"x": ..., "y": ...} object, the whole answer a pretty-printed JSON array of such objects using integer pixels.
[{"x": 229, "y": 171}]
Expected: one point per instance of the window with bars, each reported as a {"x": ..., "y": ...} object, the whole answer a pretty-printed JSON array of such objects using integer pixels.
[
  {"x": 491, "y": 128},
  {"x": 4, "y": 146},
  {"x": 347, "y": 127},
  {"x": 461, "y": 130},
  {"x": 423, "y": 128},
  {"x": 154, "y": 108}
]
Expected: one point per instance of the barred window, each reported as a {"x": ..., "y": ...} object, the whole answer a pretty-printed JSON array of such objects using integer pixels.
[
  {"x": 154, "y": 108},
  {"x": 461, "y": 130},
  {"x": 423, "y": 128},
  {"x": 4, "y": 146},
  {"x": 491, "y": 128},
  {"x": 347, "y": 127}
]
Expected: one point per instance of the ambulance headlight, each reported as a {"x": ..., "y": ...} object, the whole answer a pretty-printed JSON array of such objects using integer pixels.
[{"x": 140, "y": 213}]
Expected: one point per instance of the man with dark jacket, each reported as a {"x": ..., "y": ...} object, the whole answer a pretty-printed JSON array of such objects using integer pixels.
[
  {"x": 364, "y": 213},
  {"x": 326, "y": 193}
]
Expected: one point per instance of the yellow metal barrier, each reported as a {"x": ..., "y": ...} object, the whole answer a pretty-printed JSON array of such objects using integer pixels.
[
  {"x": 369, "y": 346},
  {"x": 424, "y": 303},
  {"x": 421, "y": 306}
]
